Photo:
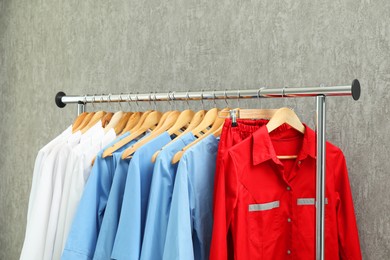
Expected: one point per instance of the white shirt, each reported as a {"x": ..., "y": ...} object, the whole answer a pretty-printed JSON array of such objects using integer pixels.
[
  {"x": 53, "y": 246},
  {"x": 36, "y": 229},
  {"x": 59, "y": 176},
  {"x": 77, "y": 173},
  {"x": 108, "y": 137},
  {"x": 42, "y": 154}
]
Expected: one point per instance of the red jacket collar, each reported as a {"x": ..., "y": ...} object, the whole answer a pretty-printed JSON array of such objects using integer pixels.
[{"x": 263, "y": 150}]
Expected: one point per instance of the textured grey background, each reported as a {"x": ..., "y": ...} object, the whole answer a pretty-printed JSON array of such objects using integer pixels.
[{"x": 118, "y": 46}]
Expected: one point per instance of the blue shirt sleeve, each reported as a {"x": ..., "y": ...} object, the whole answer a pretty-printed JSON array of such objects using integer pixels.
[
  {"x": 110, "y": 222},
  {"x": 190, "y": 219},
  {"x": 160, "y": 196},
  {"x": 130, "y": 231},
  {"x": 202, "y": 183},
  {"x": 178, "y": 242},
  {"x": 85, "y": 227}
]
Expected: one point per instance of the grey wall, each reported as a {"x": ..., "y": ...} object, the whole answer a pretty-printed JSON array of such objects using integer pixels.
[{"x": 126, "y": 46}]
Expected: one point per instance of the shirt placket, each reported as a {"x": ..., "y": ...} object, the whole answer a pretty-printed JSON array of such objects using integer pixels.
[
  {"x": 289, "y": 219},
  {"x": 289, "y": 200},
  {"x": 292, "y": 208}
]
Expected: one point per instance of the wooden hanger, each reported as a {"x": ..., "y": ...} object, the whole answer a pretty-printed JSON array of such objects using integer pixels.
[
  {"x": 85, "y": 122},
  {"x": 133, "y": 123},
  {"x": 285, "y": 115},
  {"x": 250, "y": 113},
  {"x": 195, "y": 121},
  {"x": 201, "y": 129},
  {"x": 79, "y": 119},
  {"x": 96, "y": 117},
  {"x": 183, "y": 120},
  {"x": 107, "y": 119},
  {"x": 115, "y": 118},
  {"x": 215, "y": 129},
  {"x": 141, "y": 121},
  {"x": 150, "y": 122},
  {"x": 164, "y": 117},
  {"x": 282, "y": 116},
  {"x": 122, "y": 123},
  {"x": 134, "y": 119},
  {"x": 118, "y": 127},
  {"x": 206, "y": 123},
  {"x": 166, "y": 125}
]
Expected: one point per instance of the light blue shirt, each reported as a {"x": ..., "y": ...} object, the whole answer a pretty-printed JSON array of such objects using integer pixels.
[
  {"x": 190, "y": 218},
  {"x": 132, "y": 219},
  {"x": 110, "y": 222},
  {"x": 160, "y": 196},
  {"x": 83, "y": 234}
]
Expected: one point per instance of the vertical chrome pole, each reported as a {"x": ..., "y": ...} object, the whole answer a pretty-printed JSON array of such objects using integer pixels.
[
  {"x": 320, "y": 187},
  {"x": 80, "y": 108}
]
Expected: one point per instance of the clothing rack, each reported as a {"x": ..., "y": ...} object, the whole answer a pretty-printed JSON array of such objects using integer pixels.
[{"x": 320, "y": 93}]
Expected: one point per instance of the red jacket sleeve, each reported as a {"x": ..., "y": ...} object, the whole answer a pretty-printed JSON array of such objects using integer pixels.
[{"x": 349, "y": 245}]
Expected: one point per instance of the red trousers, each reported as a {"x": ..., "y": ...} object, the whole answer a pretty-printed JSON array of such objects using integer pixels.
[{"x": 230, "y": 136}]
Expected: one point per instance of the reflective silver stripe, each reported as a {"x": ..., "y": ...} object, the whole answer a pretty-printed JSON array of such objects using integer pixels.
[
  {"x": 264, "y": 206},
  {"x": 302, "y": 202},
  {"x": 305, "y": 202}
]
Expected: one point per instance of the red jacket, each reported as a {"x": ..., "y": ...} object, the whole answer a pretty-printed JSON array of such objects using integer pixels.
[{"x": 268, "y": 205}]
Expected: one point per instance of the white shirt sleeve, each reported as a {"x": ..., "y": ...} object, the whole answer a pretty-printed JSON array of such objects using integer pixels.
[
  {"x": 36, "y": 229},
  {"x": 41, "y": 157},
  {"x": 56, "y": 198},
  {"x": 61, "y": 231}
]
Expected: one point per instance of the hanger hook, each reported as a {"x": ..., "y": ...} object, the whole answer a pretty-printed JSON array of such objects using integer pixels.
[
  {"x": 238, "y": 97},
  {"x": 289, "y": 100},
  {"x": 128, "y": 101},
  {"x": 173, "y": 99},
  {"x": 93, "y": 101},
  {"x": 188, "y": 98},
  {"x": 150, "y": 99},
  {"x": 258, "y": 95},
  {"x": 85, "y": 99},
  {"x": 227, "y": 104},
  {"x": 136, "y": 100},
  {"x": 120, "y": 101},
  {"x": 202, "y": 98},
  {"x": 215, "y": 103},
  {"x": 154, "y": 98},
  {"x": 101, "y": 99},
  {"x": 169, "y": 99},
  {"x": 283, "y": 96},
  {"x": 109, "y": 101}
]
